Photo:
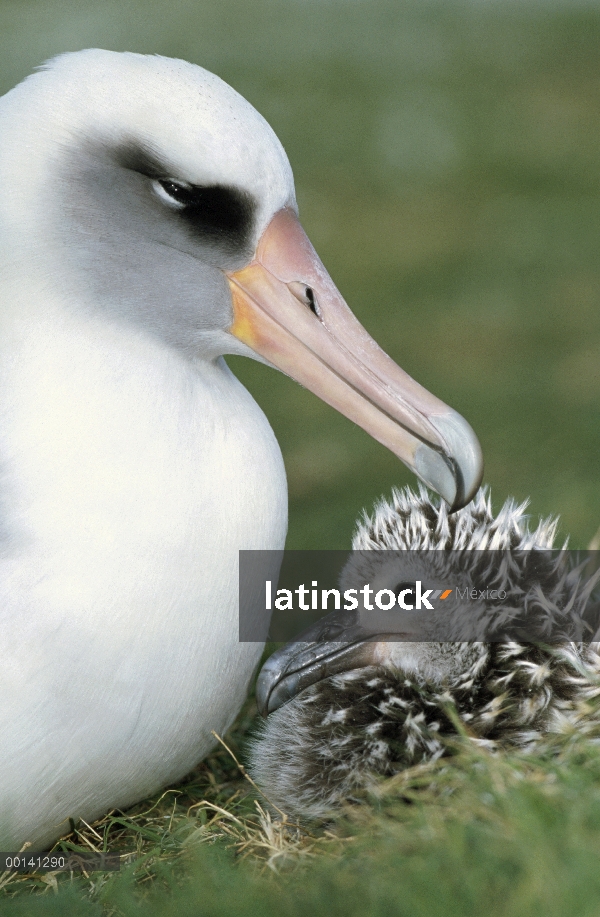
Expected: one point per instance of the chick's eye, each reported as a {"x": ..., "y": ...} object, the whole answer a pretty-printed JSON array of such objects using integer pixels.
[{"x": 403, "y": 587}]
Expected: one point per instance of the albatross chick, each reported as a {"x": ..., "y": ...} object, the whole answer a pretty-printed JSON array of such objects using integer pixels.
[{"x": 385, "y": 705}]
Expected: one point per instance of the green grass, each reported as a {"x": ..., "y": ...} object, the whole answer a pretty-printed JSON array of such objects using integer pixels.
[
  {"x": 447, "y": 161},
  {"x": 507, "y": 834}
]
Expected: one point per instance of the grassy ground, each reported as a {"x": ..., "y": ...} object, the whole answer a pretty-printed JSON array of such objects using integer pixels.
[
  {"x": 448, "y": 171},
  {"x": 474, "y": 833}
]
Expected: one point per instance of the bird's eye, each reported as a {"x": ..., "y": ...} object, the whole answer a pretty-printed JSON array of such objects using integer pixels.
[
  {"x": 174, "y": 194},
  {"x": 214, "y": 213},
  {"x": 403, "y": 587}
]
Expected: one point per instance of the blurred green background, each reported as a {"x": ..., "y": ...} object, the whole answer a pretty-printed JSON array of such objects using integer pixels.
[{"x": 447, "y": 165}]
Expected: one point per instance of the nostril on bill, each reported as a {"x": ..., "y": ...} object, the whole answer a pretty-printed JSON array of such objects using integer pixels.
[{"x": 306, "y": 295}]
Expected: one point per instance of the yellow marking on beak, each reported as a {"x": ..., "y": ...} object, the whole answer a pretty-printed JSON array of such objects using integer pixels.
[{"x": 244, "y": 320}]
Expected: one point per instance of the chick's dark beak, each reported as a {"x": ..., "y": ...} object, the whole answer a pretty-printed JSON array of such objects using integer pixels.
[{"x": 338, "y": 642}]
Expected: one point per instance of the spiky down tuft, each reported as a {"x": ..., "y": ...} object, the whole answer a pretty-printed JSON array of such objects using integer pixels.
[{"x": 419, "y": 522}]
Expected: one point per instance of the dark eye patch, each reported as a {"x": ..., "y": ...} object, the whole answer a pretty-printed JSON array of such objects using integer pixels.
[{"x": 215, "y": 212}]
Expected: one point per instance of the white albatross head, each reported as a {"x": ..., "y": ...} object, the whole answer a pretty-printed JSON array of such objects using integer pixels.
[{"x": 149, "y": 189}]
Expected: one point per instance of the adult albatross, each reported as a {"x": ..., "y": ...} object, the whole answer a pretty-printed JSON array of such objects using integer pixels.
[{"x": 148, "y": 226}]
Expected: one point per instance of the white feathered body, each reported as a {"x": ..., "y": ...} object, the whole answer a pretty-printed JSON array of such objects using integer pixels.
[
  {"x": 133, "y": 465},
  {"x": 129, "y": 479}
]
